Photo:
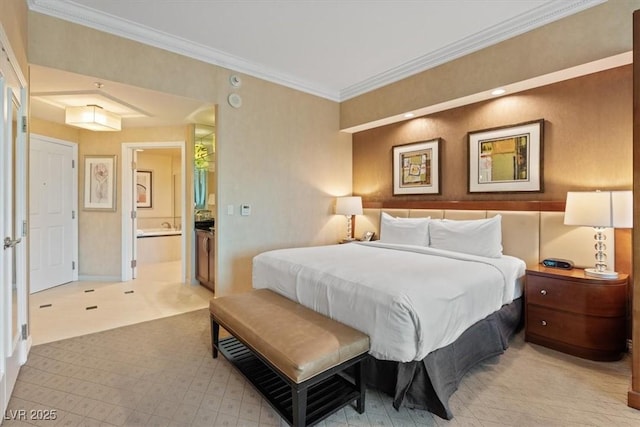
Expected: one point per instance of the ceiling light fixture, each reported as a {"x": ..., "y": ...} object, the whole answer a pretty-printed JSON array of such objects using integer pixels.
[
  {"x": 92, "y": 117},
  {"x": 497, "y": 92},
  {"x": 408, "y": 115}
]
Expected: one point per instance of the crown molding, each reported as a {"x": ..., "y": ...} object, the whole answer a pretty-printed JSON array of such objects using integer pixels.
[
  {"x": 73, "y": 12},
  {"x": 545, "y": 14},
  {"x": 88, "y": 17}
]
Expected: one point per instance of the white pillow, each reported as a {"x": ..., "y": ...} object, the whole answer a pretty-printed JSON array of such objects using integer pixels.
[
  {"x": 481, "y": 237},
  {"x": 404, "y": 231}
]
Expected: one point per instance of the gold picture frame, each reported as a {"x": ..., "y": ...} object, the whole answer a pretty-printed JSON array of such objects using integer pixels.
[
  {"x": 506, "y": 159},
  {"x": 416, "y": 168}
]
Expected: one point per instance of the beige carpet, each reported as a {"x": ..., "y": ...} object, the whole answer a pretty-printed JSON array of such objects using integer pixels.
[{"x": 161, "y": 373}]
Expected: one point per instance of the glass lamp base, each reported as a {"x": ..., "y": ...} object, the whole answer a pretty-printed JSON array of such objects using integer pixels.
[{"x": 607, "y": 274}]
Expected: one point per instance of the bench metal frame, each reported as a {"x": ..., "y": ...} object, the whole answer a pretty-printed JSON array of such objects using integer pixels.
[{"x": 300, "y": 404}]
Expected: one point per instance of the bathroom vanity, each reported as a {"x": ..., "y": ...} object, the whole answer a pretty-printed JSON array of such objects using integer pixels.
[{"x": 205, "y": 254}]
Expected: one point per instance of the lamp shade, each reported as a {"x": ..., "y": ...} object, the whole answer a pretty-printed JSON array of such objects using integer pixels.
[
  {"x": 622, "y": 202},
  {"x": 92, "y": 117},
  {"x": 611, "y": 209},
  {"x": 351, "y": 205}
]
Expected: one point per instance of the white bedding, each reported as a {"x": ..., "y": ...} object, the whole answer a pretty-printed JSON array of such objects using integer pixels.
[{"x": 410, "y": 300}]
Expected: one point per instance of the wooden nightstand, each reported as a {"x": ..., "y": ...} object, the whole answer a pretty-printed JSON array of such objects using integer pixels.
[{"x": 579, "y": 315}]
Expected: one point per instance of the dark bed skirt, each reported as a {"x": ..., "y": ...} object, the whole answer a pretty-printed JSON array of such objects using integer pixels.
[{"x": 428, "y": 383}]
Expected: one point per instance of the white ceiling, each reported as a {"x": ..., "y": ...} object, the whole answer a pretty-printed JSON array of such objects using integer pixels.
[{"x": 330, "y": 48}]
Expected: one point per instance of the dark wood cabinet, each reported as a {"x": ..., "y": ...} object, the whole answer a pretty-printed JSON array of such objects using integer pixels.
[
  {"x": 205, "y": 260},
  {"x": 576, "y": 314}
]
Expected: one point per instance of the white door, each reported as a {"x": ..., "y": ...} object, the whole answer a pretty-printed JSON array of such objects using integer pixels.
[
  {"x": 51, "y": 213},
  {"x": 13, "y": 259}
]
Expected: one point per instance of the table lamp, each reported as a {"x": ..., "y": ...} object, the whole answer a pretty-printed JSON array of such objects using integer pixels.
[
  {"x": 600, "y": 210},
  {"x": 349, "y": 206}
]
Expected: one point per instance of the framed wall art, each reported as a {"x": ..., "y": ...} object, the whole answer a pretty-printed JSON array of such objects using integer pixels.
[
  {"x": 99, "y": 182},
  {"x": 506, "y": 159},
  {"x": 416, "y": 168},
  {"x": 144, "y": 189}
]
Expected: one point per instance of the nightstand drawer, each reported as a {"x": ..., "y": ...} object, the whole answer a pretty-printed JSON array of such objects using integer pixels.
[
  {"x": 576, "y": 297},
  {"x": 588, "y": 332}
]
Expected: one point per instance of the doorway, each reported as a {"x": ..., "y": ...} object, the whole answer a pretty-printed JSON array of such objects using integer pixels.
[{"x": 154, "y": 206}]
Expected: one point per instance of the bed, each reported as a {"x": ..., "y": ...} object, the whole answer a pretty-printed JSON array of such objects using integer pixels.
[{"x": 435, "y": 295}]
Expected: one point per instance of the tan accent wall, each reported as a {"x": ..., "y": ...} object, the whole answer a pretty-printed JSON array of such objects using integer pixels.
[
  {"x": 13, "y": 18},
  {"x": 281, "y": 152},
  {"x": 596, "y": 33},
  {"x": 587, "y": 140}
]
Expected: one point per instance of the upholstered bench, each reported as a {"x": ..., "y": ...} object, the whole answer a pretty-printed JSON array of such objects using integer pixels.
[{"x": 295, "y": 357}]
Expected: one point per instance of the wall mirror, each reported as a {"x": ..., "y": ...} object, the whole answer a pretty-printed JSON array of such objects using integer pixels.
[{"x": 204, "y": 177}]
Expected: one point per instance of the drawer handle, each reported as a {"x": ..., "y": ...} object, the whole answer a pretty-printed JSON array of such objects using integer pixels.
[
  {"x": 543, "y": 292},
  {"x": 543, "y": 323}
]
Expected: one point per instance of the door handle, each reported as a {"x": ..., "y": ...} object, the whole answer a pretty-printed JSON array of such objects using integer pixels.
[{"x": 8, "y": 243}]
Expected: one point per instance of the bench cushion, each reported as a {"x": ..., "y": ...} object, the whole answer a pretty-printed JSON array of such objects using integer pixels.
[{"x": 299, "y": 342}]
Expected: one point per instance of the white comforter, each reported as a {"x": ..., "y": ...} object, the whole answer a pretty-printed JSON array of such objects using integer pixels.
[{"x": 410, "y": 300}]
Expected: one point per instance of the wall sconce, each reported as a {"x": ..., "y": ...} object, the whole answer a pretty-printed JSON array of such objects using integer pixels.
[
  {"x": 211, "y": 199},
  {"x": 92, "y": 117},
  {"x": 600, "y": 210},
  {"x": 349, "y": 206}
]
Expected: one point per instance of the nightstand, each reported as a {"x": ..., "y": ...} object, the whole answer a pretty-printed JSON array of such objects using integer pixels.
[{"x": 579, "y": 315}]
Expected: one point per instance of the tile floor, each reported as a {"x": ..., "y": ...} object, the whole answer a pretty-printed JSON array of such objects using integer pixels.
[
  {"x": 160, "y": 373},
  {"x": 61, "y": 312}
]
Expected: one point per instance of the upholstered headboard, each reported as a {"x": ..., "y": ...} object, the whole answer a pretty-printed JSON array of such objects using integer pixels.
[{"x": 529, "y": 235}]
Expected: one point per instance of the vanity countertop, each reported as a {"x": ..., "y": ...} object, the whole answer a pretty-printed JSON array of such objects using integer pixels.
[{"x": 206, "y": 225}]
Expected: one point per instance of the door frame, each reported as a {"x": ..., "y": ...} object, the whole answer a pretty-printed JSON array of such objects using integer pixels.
[
  {"x": 127, "y": 188},
  {"x": 12, "y": 359},
  {"x": 74, "y": 192}
]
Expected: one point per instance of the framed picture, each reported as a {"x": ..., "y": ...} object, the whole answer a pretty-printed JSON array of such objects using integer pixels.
[
  {"x": 506, "y": 159},
  {"x": 416, "y": 168},
  {"x": 144, "y": 189},
  {"x": 100, "y": 183}
]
